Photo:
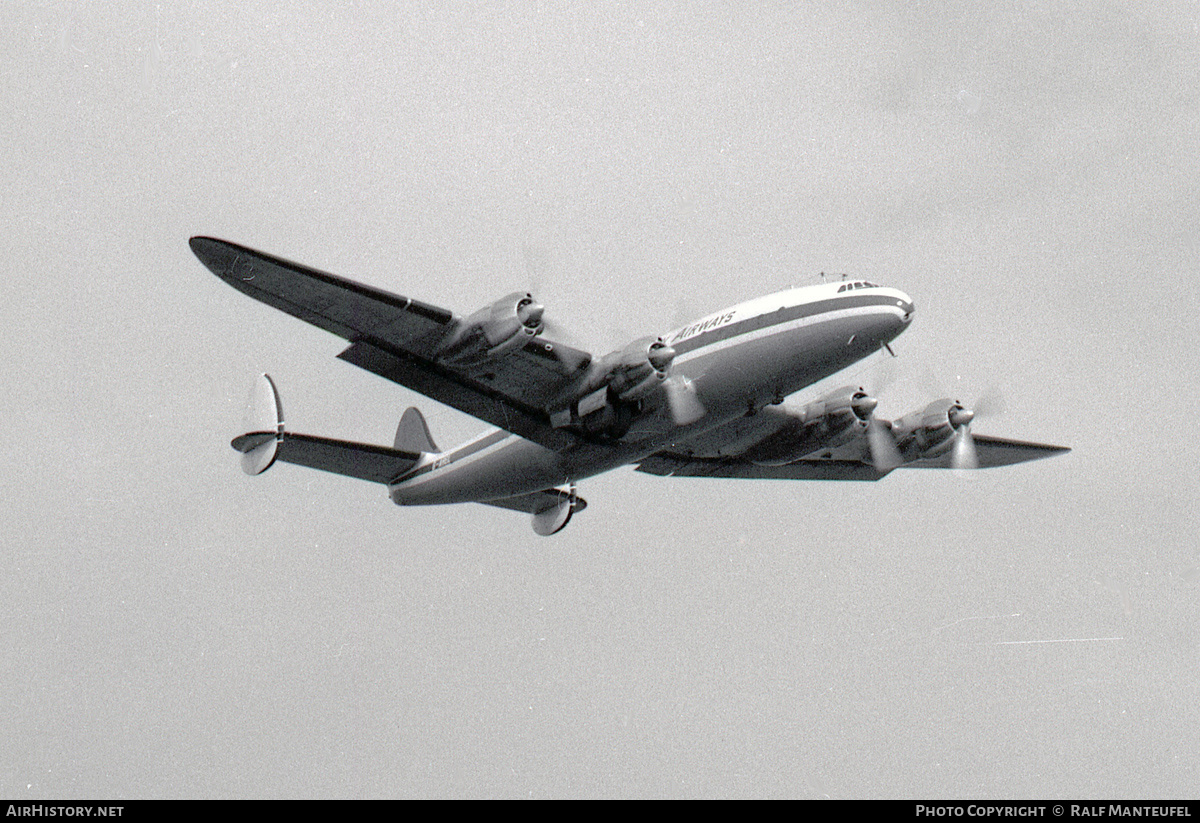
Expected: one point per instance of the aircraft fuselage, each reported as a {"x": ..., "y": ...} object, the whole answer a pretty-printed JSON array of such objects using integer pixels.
[{"x": 737, "y": 361}]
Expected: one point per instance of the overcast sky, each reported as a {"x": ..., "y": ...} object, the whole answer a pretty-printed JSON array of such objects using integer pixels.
[{"x": 1028, "y": 173}]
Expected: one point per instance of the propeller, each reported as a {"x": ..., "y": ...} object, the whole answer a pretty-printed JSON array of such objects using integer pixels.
[
  {"x": 963, "y": 455},
  {"x": 530, "y": 312},
  {"x": 885, "y": 454},
  {"x": 560, "y": 333},
  {"x": 682, "y": 400},
  {"x": 534, "y": 270}
]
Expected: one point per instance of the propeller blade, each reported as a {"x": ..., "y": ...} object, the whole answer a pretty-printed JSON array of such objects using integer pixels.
[
  {"x": 963, "y": 456},
  {"x": 683, "y": 401},
  {"x": 885, "y": 454}
]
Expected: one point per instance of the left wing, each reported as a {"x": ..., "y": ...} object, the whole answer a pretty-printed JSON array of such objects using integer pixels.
[
  {"x": 837, "y": 437},
  {"x": 458, "y": 361},
  {"x": 995, "y": 451},
  {"x": 666, "y": 464},
  {"x": 991, "y": 451}
]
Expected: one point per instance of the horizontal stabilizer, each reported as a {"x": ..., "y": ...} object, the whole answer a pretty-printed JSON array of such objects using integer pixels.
[
  {"x": 378, "y": 464},
  {"x": 267, "y": 441}
]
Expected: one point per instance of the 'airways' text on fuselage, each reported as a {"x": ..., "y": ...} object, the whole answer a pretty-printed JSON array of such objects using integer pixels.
[{"x": 700, "y": 328}]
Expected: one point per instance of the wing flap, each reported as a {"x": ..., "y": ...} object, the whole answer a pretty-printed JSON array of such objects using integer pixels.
[{"x": 473, "y": 397}]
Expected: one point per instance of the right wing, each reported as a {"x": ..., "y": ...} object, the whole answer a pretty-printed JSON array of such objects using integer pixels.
[
  {"x": 996, "y": 451},
  {"x": 404, "y": 340}
]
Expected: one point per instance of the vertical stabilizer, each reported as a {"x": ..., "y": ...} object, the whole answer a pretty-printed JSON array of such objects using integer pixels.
[
  {"x": 264, "y": 422},
  {"x": 412, "y": 435}
]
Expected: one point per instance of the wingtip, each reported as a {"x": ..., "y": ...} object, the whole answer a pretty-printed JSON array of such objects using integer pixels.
[
  {"x": 201, "y": 241},
  {"x": 213, "y": 253}
]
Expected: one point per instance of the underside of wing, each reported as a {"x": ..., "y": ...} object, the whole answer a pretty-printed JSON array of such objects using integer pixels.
[
  {"x": 674, "y": 465},
  {"x": 479, "y": 398},
  {"x": 348, "y": 309},
  {"x": 995, "y": 451},
  {"x": 493, "y": 364},
  {"x": 837, "y": 437}
]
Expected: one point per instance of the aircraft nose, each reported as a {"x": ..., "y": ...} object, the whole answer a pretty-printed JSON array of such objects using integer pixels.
[{"x": 905, "y": 303}]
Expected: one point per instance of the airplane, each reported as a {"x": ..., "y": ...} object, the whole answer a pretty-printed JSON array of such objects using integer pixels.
[{"x": 705, "y": 400}]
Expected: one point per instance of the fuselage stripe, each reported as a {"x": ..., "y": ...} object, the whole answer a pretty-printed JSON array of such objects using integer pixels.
[
  {"x": 784, "y": 314},
  {"x": 442, "y": 460}
]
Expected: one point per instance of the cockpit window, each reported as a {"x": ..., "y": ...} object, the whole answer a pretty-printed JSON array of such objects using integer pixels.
[{"x": 857, "y": 284}]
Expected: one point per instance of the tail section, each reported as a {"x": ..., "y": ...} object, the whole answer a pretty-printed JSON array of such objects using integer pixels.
[
  {"x": 412, "y": 435},
  {"x": 264, "y": 427},
  {"x": 266, "y": 441}
]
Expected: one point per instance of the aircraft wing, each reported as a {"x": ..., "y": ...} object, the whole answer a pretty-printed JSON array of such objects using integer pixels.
[
  {"x": 990, "y": 452},
  {"x": 666, "y": 464},
  {"x": 399, "y": 338},
  {"x": 995, "y": 451}
]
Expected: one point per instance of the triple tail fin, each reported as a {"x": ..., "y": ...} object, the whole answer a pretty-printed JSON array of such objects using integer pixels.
[
  {"x": 266, "y": 441},
  {"x": 412, "y": 435}
]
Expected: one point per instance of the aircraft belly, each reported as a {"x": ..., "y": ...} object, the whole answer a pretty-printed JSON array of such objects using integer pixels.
[{"x": 513, "y": 467}]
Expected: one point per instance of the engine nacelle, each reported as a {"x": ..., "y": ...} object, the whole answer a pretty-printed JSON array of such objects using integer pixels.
[
  {"x": 610, "y": 398},
  {"x": 823, "y": 425},
  {"x": 493, "y": 331},
  {"x": 929, "y": 433},
  {"x": 639, "y": 368}
]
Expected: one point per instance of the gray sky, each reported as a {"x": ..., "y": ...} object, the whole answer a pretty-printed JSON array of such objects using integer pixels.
[{"x": 173, "y": 628}]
